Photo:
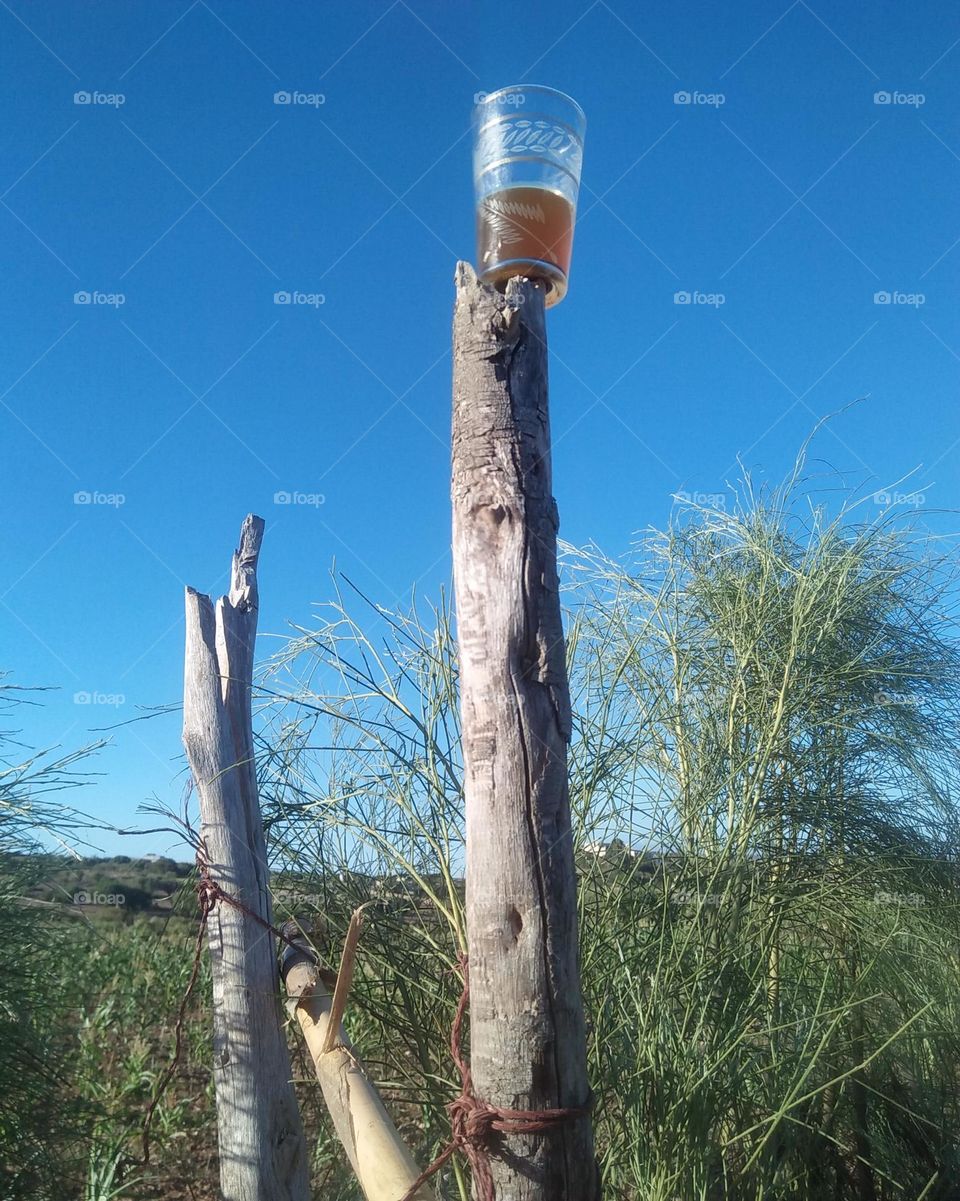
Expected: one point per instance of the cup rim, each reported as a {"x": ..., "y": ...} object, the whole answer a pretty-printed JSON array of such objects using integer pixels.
[{"x": 533, "y": 87}]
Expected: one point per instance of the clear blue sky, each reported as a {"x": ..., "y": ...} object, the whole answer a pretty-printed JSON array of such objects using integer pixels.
[{"x": 797, "y": 198}]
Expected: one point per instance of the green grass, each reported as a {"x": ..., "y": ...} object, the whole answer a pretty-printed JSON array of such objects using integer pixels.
[
  {"x": 767, "y": 698},
  {"x": 766, "y": 745}
]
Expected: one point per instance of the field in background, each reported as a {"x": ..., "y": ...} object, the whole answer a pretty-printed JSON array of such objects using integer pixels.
[{"x": 764, "y": 777}]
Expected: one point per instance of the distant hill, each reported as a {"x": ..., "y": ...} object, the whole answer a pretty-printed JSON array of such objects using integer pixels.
[
  {"x": 120, "y": 886},
  {"x": 115, "y": 882}
]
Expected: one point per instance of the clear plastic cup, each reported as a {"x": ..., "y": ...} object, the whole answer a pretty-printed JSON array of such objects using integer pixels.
[{"x": 527, "y": 154}]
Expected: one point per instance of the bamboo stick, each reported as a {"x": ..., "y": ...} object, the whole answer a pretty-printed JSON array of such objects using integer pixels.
[{"x": 380, "y": 1159}]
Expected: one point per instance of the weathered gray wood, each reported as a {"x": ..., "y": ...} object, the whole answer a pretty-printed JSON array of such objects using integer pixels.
[
  {"x": 263, "y": 1155},
  {"x": 527, "y": 1034}
]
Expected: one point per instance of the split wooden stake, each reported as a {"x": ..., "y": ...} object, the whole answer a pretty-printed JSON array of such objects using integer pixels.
[{"x": 263, "y": 1154}]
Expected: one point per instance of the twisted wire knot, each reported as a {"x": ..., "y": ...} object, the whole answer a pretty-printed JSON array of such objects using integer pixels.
[{"x": 474, "y": 1123}]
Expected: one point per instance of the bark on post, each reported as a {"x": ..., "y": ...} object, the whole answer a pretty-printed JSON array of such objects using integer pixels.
[
  {"x": 263, "y": 1155},
  {"x": 527, "y": 1031}
]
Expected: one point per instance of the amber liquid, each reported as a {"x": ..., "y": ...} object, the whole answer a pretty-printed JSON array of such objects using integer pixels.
[{"x": 521, "y": 229}]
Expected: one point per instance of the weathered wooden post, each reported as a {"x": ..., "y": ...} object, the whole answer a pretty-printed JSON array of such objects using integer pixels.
[
  {"x": 263, "y": 1154},
  {"x": 527, "y": 1030}
]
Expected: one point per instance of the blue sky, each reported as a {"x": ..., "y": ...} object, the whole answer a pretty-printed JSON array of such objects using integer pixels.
[{"x": 815, "y": 165}]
